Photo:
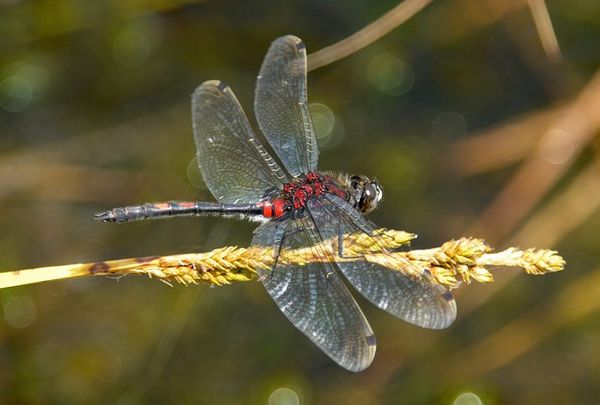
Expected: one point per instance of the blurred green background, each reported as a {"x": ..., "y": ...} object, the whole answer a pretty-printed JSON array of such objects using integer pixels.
[{"x": 469, "y": 125}]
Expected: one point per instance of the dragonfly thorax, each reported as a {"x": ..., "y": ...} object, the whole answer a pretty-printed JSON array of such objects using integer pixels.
[
  {"x": 312, "y": 185},
  {"x": 296, "y": 194}
]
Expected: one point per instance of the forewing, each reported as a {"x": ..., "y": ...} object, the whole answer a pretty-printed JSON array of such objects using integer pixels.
[
  {"x": 415, "y": 300},
  {"x": 281, "y": 105},
  {"x": 234, "y": 165},
  {"x": 312, "y": 295}
]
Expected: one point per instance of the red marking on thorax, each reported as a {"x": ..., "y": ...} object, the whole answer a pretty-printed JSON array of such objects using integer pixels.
[{"x": 296, "y": 194}]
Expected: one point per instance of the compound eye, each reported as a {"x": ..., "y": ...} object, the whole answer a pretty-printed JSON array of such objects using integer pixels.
[
  {"x": 370, "y": 197},
  {"x": 371, "y": 192}
]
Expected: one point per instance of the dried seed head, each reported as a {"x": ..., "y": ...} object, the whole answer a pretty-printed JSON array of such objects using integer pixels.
[{"x": 454, "y": 263}]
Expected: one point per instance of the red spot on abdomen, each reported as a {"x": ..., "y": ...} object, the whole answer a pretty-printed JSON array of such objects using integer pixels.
[
  {"x": 267, "y": 209},
  {"x": 274, "y": 208},
  {"x": 279, "y": 207}
]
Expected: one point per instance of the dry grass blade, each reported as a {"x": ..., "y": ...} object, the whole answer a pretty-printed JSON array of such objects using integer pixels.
[
  {"x": 545, "y": 165},
  {"x": 500, "y": 146},
  {"x": 366, "y": 36},
  {"x": 543, "y": 25},
  {"x": 466, "y": 17}
]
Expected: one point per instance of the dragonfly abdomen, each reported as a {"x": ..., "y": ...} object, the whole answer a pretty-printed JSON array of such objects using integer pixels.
[{"x": 178, "y": 208}]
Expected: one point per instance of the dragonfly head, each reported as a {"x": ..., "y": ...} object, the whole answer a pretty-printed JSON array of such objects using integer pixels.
[{"x": 366, "y": 193}]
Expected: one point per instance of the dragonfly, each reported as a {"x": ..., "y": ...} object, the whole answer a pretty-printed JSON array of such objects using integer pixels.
[{"x": 298, "y": 208}]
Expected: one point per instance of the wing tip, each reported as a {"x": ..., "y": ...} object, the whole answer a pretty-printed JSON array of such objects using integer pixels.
[
  {"x": 291, "y": 39},
  {"x": 210, "y": 90},
  {"x": 365, "y": 361},
  {"x": 209, "y": 85},
  {"x": 449, "y": 316}
]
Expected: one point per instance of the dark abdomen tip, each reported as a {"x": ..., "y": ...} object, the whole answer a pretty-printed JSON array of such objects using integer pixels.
[{"x": 106, "y": 216}]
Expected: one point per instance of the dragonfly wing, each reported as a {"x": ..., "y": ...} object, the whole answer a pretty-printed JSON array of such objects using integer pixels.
[
  {"x": 281, "y": 105},
  {"x": 312, "y": 295},
  {"x": 234, "y": 165},
  {"x": 416, "y": 300}
]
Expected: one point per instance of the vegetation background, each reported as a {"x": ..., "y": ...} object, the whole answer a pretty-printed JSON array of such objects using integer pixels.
[{"x": 473, "y": 118}]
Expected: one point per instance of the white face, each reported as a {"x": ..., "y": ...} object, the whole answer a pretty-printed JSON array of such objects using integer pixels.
[{"x": 378, "y": 191}]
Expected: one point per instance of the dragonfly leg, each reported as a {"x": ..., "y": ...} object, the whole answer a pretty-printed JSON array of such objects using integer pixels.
[
  {"x": 340, "y": 241},
  {"x": 278, "y": 230},
  {"x": 284, "y": 235}
]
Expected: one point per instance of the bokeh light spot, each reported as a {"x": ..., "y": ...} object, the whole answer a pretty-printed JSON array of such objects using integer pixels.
[
  {"x": 556, "y": 147},
  {"x": 323, "y": 121},
  {"x": 468, "y": 398},
  {"x": 390, "y": 74},
  {"x": 449, "y": 125},
  {"x": 16, "y": 93},
  {"x": 131, "y": 48},
  {"x": 284, "y": 396},
  {"x": 19, "y": 311}
]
